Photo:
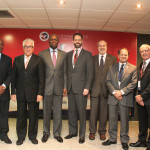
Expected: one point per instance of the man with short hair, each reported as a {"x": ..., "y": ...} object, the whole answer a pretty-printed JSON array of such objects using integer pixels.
[
  {"x": 121, "y": 80},
  {"x": 99, "y": 93},
  {"x": 5, "y": 78},
  {"x": 55, "y": 88},
  {"x": 27, "y": 86},
  {"x": 143, "y": 98}
]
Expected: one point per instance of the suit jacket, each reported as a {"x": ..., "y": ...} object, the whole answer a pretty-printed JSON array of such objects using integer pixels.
[
  {"x": 28, "y": 82},
  {"x": 145, "y": 84},
  {"x": 5, "y": 76},
  {"x": 56, "y": 77},
  {"x": 99, "y": 85},
  {"x": 128, "y": 84},
  {"x": 80, "y": 77}
]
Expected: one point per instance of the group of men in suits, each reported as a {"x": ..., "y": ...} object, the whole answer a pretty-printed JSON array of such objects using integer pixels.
[{"x": 54, "y": 74}]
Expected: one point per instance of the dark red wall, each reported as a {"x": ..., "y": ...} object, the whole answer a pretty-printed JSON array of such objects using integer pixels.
[{"x": 13, "y": 41}]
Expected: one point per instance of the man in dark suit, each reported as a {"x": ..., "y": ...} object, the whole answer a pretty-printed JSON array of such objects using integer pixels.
[
  {"x": 143, "y": 98},
  {"x": 121, "y": 80},
  {"x": 55, "y": 86},
  {"x": 27, "y": 86},
  {"x": 5, "y": 78},
  {"x": 79, "y": 80},
  {"x": 99, "y": 93}
]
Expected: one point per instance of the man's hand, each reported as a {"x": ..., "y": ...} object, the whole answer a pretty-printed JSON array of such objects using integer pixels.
[
  {"x": 139, "y": 100},
  {"x": 85, "y": 92},
  {"x": 118, "y": 95},
  {"x": 65, "y": 92},
  {"x": 39, "y": 98},
  {"x": 13, "y": 97},
  {"x": 141, "y": 103},
  {"x": 2, "y": 89}
]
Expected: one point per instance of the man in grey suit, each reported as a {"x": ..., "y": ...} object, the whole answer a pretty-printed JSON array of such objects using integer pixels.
[
  {"x": 99, "y": 93},
  {"x": 55, "y": 87},
  {"x": 79, "y": 77},
  {"x": 121, "y": 81}
]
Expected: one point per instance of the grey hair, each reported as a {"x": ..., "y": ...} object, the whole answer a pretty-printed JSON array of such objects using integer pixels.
[
  {"x": 101, "y": 41},
  {"x": 28, "y": 39},
  {"x": 144, "y": 45}
]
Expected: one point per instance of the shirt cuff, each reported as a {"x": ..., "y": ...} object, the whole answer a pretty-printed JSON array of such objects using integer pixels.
[
  {"x": 4, "y": 85},
  {"x": 122, "y": 92},
  {"x": 113, "y": 92}
]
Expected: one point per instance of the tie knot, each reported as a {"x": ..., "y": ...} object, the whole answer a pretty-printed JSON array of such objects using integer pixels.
[{"x": 122, "y": 65}]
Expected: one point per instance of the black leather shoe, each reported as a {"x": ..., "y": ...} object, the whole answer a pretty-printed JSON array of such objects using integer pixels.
[
  {"x": 6, "y": 140},
  {"x": 81, "y": 140},
  {"x": 45, "y": 138},
  {"x": 138, "y": 144},
  {"x": 70, "y": 136},
  {"x": 19, "y": 142},
  {"x": 108, "y": 142},
  {"x": 125, "y": 146},
  {"x": 34, "y": 141},
  {"x": 59, "y": 139}
]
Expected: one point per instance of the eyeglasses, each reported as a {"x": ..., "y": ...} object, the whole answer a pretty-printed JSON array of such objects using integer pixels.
[
  {"x": 28, "y": 46},
  {"x": 146, "y": 51}
]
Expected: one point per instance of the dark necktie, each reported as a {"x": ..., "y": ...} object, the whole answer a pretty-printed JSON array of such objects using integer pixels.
[
  {"x": 121, "y": 72},
  {"x": 75, "y": 56},
  {"x": 143, "y": 68},
  {"x": 101, "y": 63},
  {"x": 54, "y": 58}
]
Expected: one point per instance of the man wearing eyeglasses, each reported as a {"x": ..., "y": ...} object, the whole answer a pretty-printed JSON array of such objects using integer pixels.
[
  {"x": 5, "y": 78},
  {"x": 27, "y": 86},
  {"x": 143, "y": 98}
]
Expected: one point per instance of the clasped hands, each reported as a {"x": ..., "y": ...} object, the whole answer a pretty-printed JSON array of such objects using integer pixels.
[
  {"x": 2, "y": 89},
  {"x": 118, "y": 95},
  {"x": 139, "y": 100}
]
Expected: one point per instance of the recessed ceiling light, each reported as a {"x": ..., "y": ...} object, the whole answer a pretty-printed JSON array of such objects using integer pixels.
[
  {"x": 139, "y": 5},
  {"x": 61, "y": 2}
]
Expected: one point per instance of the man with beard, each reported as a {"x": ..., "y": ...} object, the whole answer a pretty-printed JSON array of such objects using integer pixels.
[
  {"x": 55, "y": 87},
  {"x": 99, "y": 93},
  {"x": 5, "y": 78},
  {"x": 143, "y": 99},
  {"x": 79, "y": 80}
]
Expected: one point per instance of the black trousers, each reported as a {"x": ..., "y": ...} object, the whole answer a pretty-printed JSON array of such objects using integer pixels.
[
  {"x": 144, "y": 123},
  {"x": 33, "y": 108},
  {"x": 4, "y": 108}
]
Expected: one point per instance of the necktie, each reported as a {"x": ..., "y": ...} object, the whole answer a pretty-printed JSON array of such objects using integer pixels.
[
  {"x": 143, "y": 68},
  {"x": 75, "y": 56},
  {"x": 121, "y": 72},
  {"x": 27, "y": 61},
  {"x": 101, "y": 63},
  {"x": 54, "y": 58}
]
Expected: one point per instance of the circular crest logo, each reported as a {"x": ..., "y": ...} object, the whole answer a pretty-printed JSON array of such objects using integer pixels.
[{"x": 44, "y": 36}]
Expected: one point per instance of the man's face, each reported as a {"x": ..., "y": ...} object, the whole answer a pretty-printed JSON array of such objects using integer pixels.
[
  {"x": 1, "y": 46},
  {"x": 53, "y": 42},
  {"x": 145, "y": 53},
  {"x": 77, "y": 41},
  {"x": 102, "y": 47},
  {"x": 28, "y": 48},
  {"x": 123, "y": 56}
]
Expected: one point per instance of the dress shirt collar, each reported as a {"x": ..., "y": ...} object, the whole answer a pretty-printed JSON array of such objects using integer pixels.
[
  {"x": 51, "y": 50},
  {"x": 147, "y": 61},
  {"x": 0, "y": 55}
]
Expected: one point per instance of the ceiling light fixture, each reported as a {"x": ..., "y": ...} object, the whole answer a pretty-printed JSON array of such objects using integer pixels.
[
  {"x": 139, "y": 5},
  {"x": 61, "y": 2}
]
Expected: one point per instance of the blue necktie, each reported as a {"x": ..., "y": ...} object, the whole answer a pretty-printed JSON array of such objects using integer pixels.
[{"x": 121, "y": 72}]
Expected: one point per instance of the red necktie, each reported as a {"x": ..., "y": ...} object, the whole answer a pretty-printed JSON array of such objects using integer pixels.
[
  {"x": 54, "y": 58},
  {"x": 75, "y": 56}
]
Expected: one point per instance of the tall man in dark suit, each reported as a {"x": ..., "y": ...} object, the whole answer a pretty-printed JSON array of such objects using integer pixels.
[
  {"x": 55, "y": 86},
  {"x": 121, "y": 80},
  {"x": 28, "y": 81},
  {"x": 5, "y": 78},
  {"x": 79, "y": 80},
  {"x": 143, "y": 98},
  {"x": 99, "y": 93}
]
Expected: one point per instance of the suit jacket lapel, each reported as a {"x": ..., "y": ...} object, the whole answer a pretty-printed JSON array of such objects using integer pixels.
[
  {"x": 117, "y": 72},
  {"x": 148, "y": 66},
  {"x": 30, "y": 62},
  {"x": 106, "y": 63},
  {"x": 49, "y": 58},
  {"x": 58, "y": 58},
  {"x": 125, "y": 70},
  {"x": 79, "y": 57}
]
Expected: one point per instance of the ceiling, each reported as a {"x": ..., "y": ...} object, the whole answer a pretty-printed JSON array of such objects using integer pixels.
[{"x": 101, "y": 15}]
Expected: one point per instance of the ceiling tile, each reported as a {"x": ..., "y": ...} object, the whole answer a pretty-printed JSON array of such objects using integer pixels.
[
  {"x": 118, "y": 24},
  {"x": 145, "y": 19},
  {"x": 31, "y": 13},
  {"x": 114, "y": 29},
  {"x": 127, "y": 16},
  {"x": 139, "y": 31},
  {"x": 64, "y": 27},
  {"x": 96, "y": 14},
  {"x": 130, "y": 5},
  {"x": 11, "y": 21},
  {"x": 40, "y": 26},
  {"x": 3, "y": 5},
  {"x": 70, "y": 4},
  {"x": 89, "y": 28},
  {"x": 144, "y": 26},
  {"x": 63, "y": 13},
  {"x": 91, "y": 23},
  {"x": 25, "y": 3},
  {"x": 15, "y": 26},
  {"x": 40, "y": 21},
  {"x": 100, "y": 4}
]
